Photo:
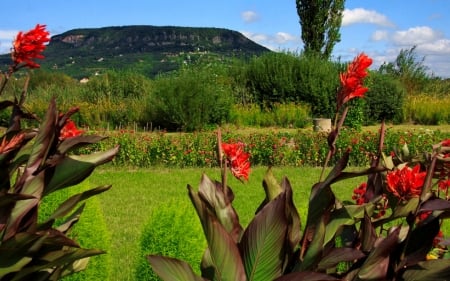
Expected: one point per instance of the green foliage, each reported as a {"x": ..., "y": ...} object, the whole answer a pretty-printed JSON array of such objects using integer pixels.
[
  {"x": 172, "y": 230},
  {"x": 378, "y": 245},
  {"x": 409, "y": 69},
  {"x": 285, "y": 115},
  {"x": 191, "y": 99},
  {"x": 91, "y": 232},
  {"x": 283, "y": 78},
  {"x": 426, "y": 109},
  {"x": 385, "y": 99},
  {"x": 34, "y": 163},
  {"x": 320, "y": 24}
]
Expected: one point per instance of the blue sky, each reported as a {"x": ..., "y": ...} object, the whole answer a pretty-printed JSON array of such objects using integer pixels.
[{"x": 380, "y": 28}]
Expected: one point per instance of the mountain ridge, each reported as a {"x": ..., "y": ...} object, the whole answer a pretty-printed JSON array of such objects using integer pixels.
[{"x": 145, "y": 48}]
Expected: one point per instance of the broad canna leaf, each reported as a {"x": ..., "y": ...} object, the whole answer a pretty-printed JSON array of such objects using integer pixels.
[
  {"x": 421, "y": 241},
  {"x": 15, "y": 260},
  {"x": 51, "y": 260},
  {"x": 435, "y": 204},
  {"x": 263, "y": 242},
  {"x": 224, "y": 256},
  {"x": 376, "y": 265},
  {"x": 368, "y": 234},
  {"x": 219, "y": 201},
  {"x": 294, "y": 224},
  {"x": 74, "y": 169},
  {"x": 271, "y": 187},
  {"x": 68, "y": 205},
  {"x": 170, "y": 269},
  {"x": 337, "y": 255},
  {"x": 315, "y": 249},
  {"x": 78, "y": 141},
  {"x": 428, "y": 270},
  {"x": 347, "y": 215}
]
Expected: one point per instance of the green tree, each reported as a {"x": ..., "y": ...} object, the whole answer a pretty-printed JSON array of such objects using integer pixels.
[
  {"x": 320, "y": 21},
  {"x": 409, "y": 69}
]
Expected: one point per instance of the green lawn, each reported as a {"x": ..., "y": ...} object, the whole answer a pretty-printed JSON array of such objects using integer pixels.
[{"x": 136, "y": 193}]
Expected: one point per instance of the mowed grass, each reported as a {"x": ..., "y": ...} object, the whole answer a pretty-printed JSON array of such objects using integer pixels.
[{"x": 137, "y": 192}]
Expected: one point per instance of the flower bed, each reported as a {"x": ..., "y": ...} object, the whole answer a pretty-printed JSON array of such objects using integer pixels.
[{"x": 301, "y": 148}]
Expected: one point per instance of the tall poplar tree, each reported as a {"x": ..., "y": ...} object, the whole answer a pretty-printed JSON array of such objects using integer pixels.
[{"x": 320, "y": 22}]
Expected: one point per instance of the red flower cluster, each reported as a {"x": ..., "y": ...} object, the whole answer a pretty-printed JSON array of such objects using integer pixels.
[
  {"x": 351, "y": 81},
  {"x": 358, "y": 193},
  {"x": 406, "y": 182},
  {"x": 238, "y": 159},
  {"x": 69, "y": 130},
  {"x": 29, "y": 46}
]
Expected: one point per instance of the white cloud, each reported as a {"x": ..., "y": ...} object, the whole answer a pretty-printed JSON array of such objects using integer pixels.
[
  {"x": 280, "y": 40},
  {"x": 249, "y": 16},
  {"x": 6, "y": 39},
  {"x": 416, "y": 36},
  {"x": 380, "y": 35},
  {"x": 441, "y": 47},
  {"x": 360, "y": 15},
  {"x": 283, "y": 37}
]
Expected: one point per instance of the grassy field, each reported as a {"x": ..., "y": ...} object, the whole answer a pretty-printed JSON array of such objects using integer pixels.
[{"x": 135, "y": 194}]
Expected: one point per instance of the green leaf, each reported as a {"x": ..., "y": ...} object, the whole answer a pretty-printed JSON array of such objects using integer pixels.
[
  {"x": 68, "y": 205},
  {"x": 78, "y": 141},
  {"x": 262, "y": 244},
  {"x": 54, "y": 259},
  {"x": 428, "y": 270},
  {"x": 271, "y": 188},
  {"x": 347, "y": 215},
  {"x": 74, "y": 169},
  {"x": 224, "y": 255},
  {"x": 315, "y": 249},
  {"x": 12, "y": 261},
  {"x": 219, "y": 199},
  {"x": 171, "y": 269}
]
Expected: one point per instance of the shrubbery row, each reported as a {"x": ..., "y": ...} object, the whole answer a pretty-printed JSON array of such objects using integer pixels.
[{"x": 275, "y": 89}]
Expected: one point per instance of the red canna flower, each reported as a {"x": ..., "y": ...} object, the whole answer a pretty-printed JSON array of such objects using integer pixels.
[
  {"x": 352, "y": 80},
  {"x": 358, "y": 193},
  {"x": 406, "y": 182},
  {"x": 29, "y": 46},
  {"x": 69, "y": 130},
  {"x": 238, "y": 159}
]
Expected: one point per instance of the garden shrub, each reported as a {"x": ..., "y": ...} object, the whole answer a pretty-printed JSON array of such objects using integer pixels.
[
  {"x": 91, "y": 231},
  {"x": 172, "y": 230},
  {"x": 191, "y": 99},
  {"x": 427, "y": 109},
  {"x": 385, "y": 99}
]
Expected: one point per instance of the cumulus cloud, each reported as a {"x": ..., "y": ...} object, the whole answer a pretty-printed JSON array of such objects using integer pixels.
[
  {"x": 360, "y": 15},
  {"x": 6, "y": 39},
  {"x": 280, "y": 40},
  {"x": 249, "y": 16},
  {"x": 416, "y": 36},
  {"x": 380, "y": 35}
]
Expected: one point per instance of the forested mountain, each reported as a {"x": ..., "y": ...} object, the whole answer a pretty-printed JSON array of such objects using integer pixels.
[{"x": 147, "y": 49}]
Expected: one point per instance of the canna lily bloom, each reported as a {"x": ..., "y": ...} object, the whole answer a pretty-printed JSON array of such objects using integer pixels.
[
  {"x": 406, "y": 182},
  {"x": 29, "y": 46},
  {"x": 69, "y": 130},
  {"x": 352, "y": 80},
  {"x": 238, "y": 159},
  {"x": 358, "y": 193}
]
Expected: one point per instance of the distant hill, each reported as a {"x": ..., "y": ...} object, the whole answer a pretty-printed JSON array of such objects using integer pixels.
[{"x": 146, "y": 49}]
